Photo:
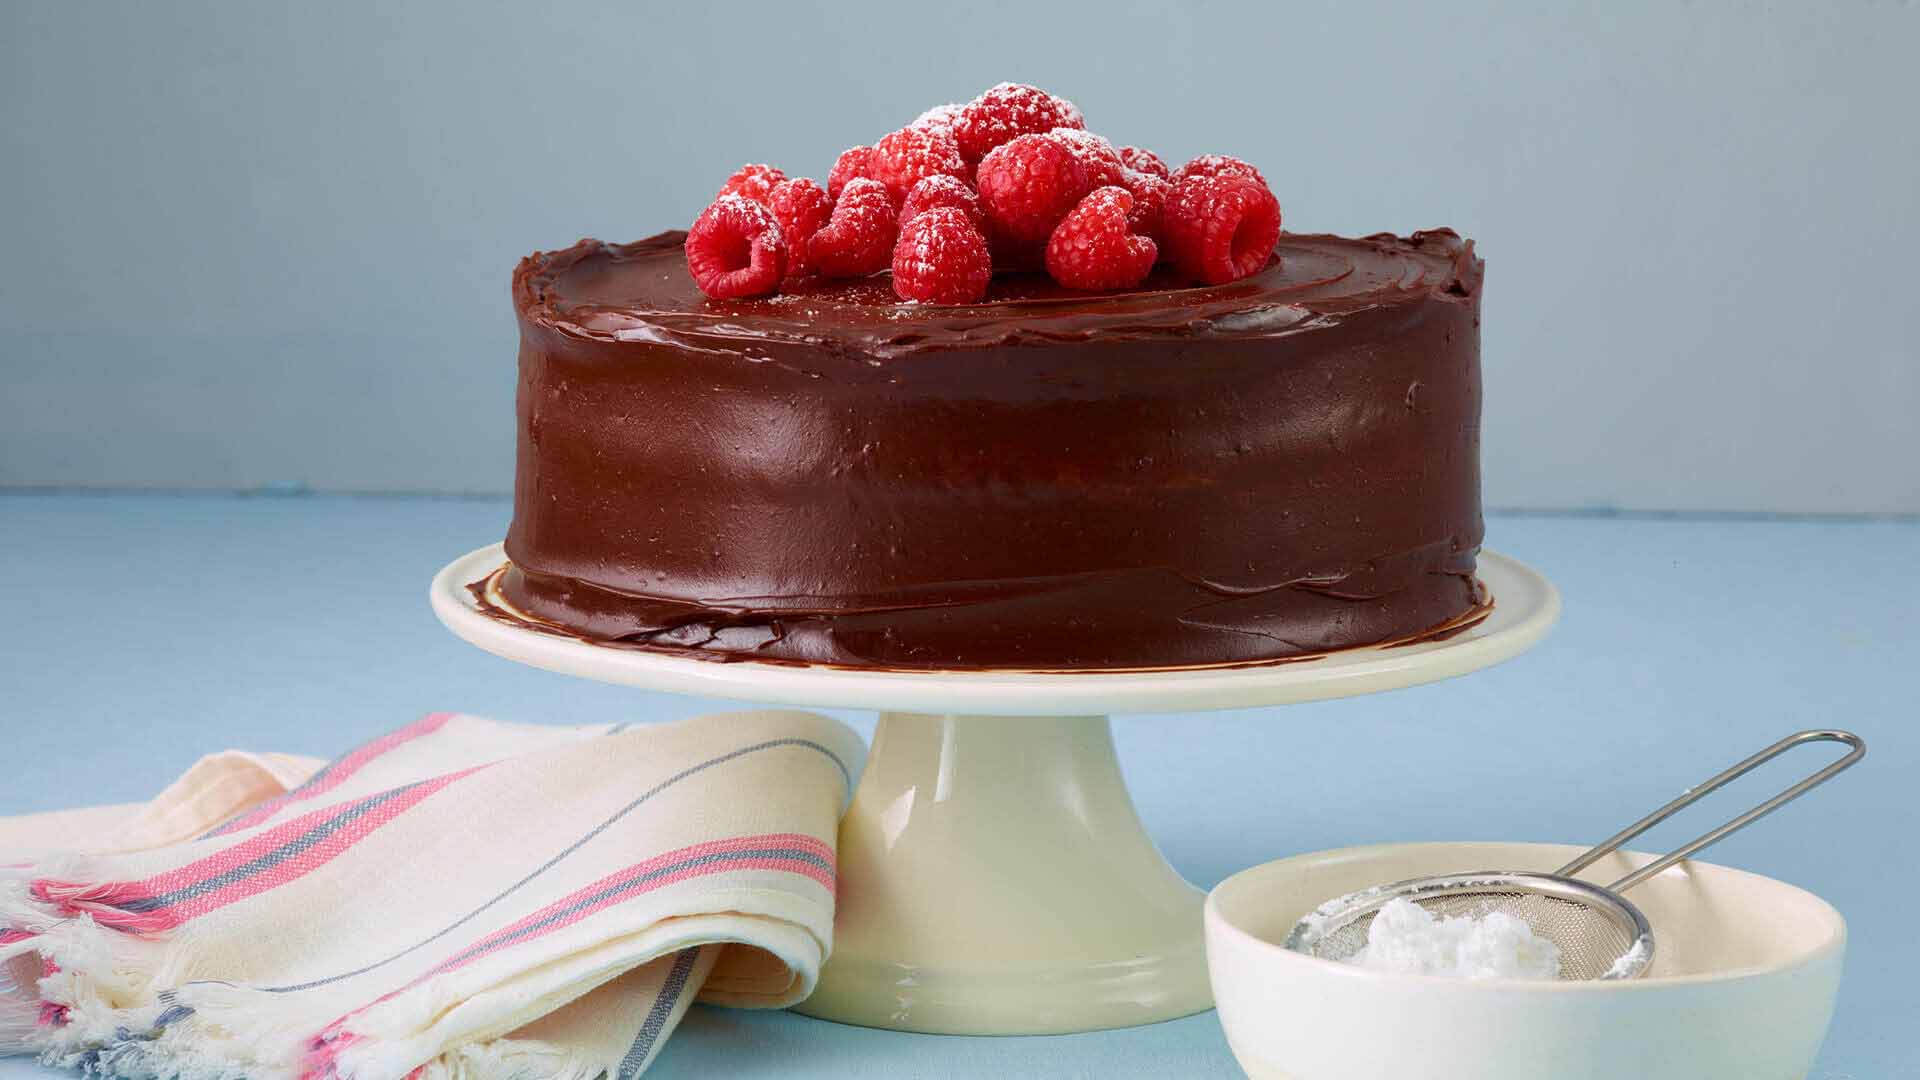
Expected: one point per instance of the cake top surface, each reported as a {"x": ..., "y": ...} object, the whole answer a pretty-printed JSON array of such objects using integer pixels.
[{"x": 643, "y": 291}]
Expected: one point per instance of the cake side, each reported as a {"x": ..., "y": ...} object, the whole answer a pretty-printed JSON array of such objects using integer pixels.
[{"x": 1277, "y": 467}]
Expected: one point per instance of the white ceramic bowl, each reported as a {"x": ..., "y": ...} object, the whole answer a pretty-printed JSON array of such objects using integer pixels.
[{"x": 1742, "y": 984}]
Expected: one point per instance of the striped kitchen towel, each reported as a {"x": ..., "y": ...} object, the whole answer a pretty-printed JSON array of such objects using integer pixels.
[{"x": 461, "y": 898}]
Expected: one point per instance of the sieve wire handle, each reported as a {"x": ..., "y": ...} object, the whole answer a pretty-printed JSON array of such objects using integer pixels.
[{"x": 1695, "y": 794}]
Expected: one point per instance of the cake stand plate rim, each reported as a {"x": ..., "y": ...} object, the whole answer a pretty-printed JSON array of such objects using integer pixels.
[{"x": 1526, "y": 606}]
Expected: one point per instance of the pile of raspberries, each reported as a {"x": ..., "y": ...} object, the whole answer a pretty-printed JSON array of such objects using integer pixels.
[{"x": 1012, "y": 180}]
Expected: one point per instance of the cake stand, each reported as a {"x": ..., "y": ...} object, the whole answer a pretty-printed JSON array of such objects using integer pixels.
[{"x": 994, "y": 877}]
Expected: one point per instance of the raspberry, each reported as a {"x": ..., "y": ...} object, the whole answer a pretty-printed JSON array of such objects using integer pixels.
[
  {"x": 1149, "y": 203},
  {"x": 940, "y": 116},
  {"x": 858, "y": 238},
  {"x": 943, "y": 191},
  {"x": 1006, "y": 112},
  {"x": 735, "y": 249},
  {"x": 1096, "y": 155},
  {"x": 1217, "y": 165},
  {"x": 850, "y": 165},
  {"x": 941, "y": 259},
  {"x": 801, "y": 208},
  {"x": 905, "y": 157},
  {"x": 1094, "y": 248},
  {"x": 1026, "y": 187},
  {"x": 1221, "y": 228},
  {"x": 1145, "y": 161},
  {"x": 1070, "y": 116},
  {"x": 752, "y": 182}
]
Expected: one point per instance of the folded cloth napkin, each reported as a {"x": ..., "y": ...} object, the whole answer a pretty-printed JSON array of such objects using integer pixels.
[{"x": 461, "y": 898}]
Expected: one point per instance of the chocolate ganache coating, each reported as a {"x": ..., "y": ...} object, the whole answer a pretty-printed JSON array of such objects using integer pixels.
[{"x": 1049, "y": 480}]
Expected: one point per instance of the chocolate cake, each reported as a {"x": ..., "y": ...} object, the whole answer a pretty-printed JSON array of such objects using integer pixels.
[{"x": 1165, "y": 476}]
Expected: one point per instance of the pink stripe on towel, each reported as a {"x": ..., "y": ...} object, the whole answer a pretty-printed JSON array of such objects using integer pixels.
[
  {"x": 266, "y": 860},
  {"x": 336, "y": 773}
]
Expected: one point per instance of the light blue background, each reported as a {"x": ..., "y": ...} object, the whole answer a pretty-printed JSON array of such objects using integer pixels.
[
  {"x": 154, "y": 629},
  {"x": 248, "y": 244}
]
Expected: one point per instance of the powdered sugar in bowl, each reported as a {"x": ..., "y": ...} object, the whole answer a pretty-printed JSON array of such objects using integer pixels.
[{"x": 1731, "y": 999}]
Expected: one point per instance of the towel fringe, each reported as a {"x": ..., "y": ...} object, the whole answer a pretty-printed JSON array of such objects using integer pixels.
[
  {"x": 105, "y": 901},
  {"x": 79, "y": 994}
]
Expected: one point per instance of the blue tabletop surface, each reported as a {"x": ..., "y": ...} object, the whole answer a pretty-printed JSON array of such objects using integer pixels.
[{"x": 147, "y": 630}]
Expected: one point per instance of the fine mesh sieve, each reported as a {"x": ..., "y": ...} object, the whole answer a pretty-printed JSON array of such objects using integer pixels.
[
  {"x": 1600, "y": 934},
  {"x": 1592, "y": 927}
]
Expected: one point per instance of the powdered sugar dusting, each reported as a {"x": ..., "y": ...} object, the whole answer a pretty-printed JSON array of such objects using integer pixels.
[
  {"x": 1007, "y": 111},
  {"x": 940, "y": 116},
  {"x": 941, "y": 259},
  {"x": 1633, "y": 961},
  {"x": 902, "y": 158},
  {"x": 1407, "y": 939},
  {"x": 1096, "y": 154}
]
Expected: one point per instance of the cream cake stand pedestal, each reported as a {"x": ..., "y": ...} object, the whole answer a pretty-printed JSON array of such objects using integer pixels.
[{"x": 994, "y": 877}]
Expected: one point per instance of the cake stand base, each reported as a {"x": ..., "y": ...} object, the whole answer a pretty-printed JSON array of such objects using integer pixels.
[{"x": 996, "y": 879}]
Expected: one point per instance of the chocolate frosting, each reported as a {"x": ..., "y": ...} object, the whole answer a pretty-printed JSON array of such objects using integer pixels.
[{"x": 1048, "y": 480}]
